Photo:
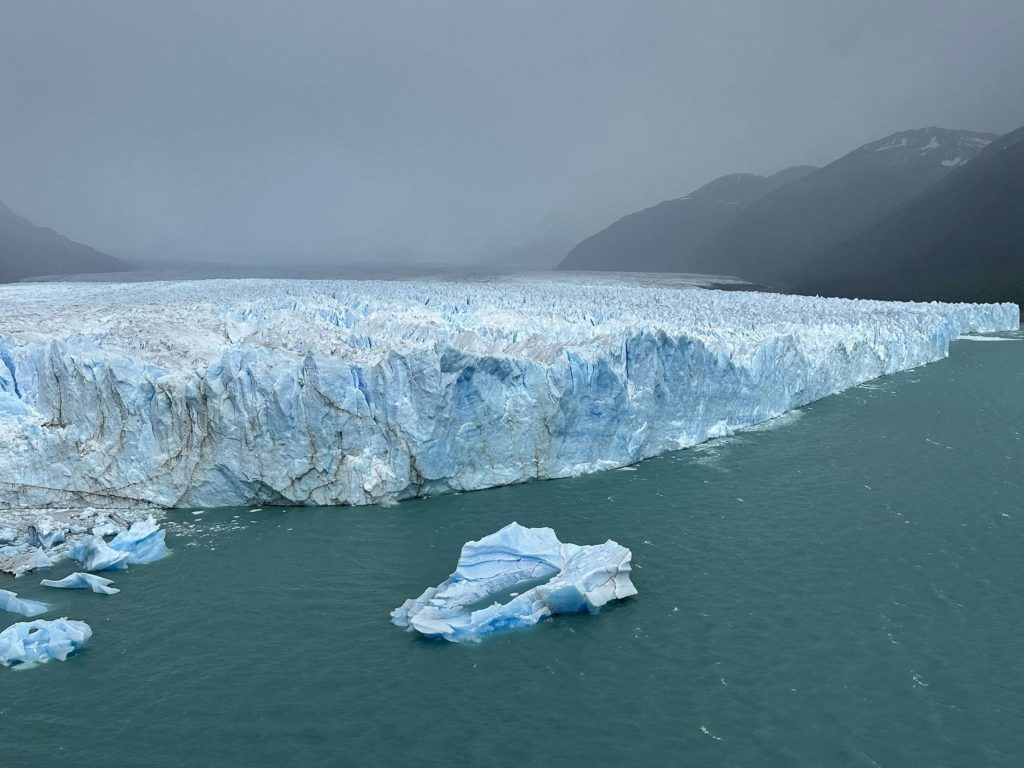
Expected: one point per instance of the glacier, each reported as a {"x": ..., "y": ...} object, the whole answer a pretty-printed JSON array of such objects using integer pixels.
[
  {"x": 289, "y": 392},
  {"x": 10, "y": 602},
  {"x": 575, "y": 579},
  {"x": 76, "y": 580},
  {"x": 28, "y": 643}
]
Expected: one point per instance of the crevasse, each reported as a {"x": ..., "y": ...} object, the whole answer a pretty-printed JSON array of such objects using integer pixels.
[{"x": 330, "y": 392}]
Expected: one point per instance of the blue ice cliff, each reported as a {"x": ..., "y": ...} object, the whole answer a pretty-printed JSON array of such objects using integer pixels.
[
  {"x": 10, "y": 602},
  {"x": 575, "y": 579},
  {"x": 36, "y": 642},
  {"x": 97, "y": 584},
  {"x": 214, "y": 392}
]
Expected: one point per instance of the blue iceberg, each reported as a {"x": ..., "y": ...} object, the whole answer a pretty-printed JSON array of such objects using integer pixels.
[
  {"x": 46, "y": 533},
  {"x": 574, "y": 579},
  {"x": 96, "y": 555},
  {"x": 37, "y": 642},
  {"x": 83, "y": 581},
  {"x": 10, "y": 602},
  {"x": 143, "y": 542}
]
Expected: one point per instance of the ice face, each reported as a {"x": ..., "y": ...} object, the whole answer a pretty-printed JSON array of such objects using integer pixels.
[
  {"x": 292, "y": 392},
  {"x": 37, "y": 642},
  {"x": 10, "y": 602},
  {"x": 575, "y": 579},
  {"x": 97, "y": 584}
]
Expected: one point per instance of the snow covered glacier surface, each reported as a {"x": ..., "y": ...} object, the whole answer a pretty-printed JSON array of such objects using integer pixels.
[
  {"x": 333, "y": 392},
  {"x": 574, "y": 579}
]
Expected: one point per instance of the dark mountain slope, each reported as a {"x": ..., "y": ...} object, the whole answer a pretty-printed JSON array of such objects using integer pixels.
[
  {"x": 775, "y": 238},
  {"x": 27, "y": 250},
  {"x": 667, "y": 237},
  {"x": 963, "y": 240}
]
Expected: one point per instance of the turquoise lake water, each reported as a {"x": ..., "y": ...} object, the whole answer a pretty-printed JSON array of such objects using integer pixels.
[{"x": 845, "y": 588}]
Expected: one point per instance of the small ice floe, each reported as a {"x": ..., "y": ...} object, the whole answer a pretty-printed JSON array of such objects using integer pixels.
[
  {"x": 28, "y": 559},
  {"x": 46, "y": 533},
  {"x": 142, "y": 543},
  {"x": 574, "y": 579},
  {"x": 10, "y": 602},
  {"x": 198, "y": 512},
  {"x": 28, "y": 643},
  {"x": 706, "y": 732},
  {"x": 720, "y": 429},
  {"x": 97, "y": 584},
  {"x": 95, "y": 554}
]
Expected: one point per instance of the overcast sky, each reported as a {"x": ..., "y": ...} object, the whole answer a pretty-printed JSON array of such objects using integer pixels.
[{"x": 455, "y": 130}]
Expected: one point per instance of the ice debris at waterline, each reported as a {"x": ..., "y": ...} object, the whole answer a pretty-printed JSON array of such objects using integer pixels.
[
  {"x": 250, "y": 392},
  {"x": 10, "y": 602},
  {"x": 36, "y": 538},
  {"x": 577, "y": 579},
  {"x": 83, "y": 581},
  {"x": 37, "y": 642},
  {"x": 142, "y": 543}
]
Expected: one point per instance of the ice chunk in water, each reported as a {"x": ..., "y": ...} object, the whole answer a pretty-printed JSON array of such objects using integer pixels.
[
  {"x": 37, "y": 642},
  {"x": 83, "y": 581},
  {"x": 96, "y": 555},
  {"x": 575, "y": 579},
  {"x": 144, "y": 542},
  {"x": 9, "y": 601}
]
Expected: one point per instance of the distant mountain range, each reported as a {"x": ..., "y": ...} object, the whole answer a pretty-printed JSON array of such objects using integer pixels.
[
  {"x": 673, "y": 236},
  {"x": 30, "y": 251},
  {"x": 962, "y": 240},
  {"x": 927, "y": 213}
]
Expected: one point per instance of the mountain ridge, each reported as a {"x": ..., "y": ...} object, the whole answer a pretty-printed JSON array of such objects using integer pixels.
[
  {"x": 656, "y": 235},
  {"x": 27, "y": 250}
]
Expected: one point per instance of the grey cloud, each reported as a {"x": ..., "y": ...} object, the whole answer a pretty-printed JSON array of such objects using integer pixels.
[{"x": 453, "y": 130}]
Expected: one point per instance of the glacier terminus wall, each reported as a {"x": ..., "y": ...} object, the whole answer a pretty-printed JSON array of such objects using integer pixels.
[{"x": 218, "y": 392}]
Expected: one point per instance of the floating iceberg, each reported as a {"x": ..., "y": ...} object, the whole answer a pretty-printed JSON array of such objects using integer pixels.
[
  {"x": 46, "y": 533},
  {"x": 575, "y": 579},
  {"x": 143, "y": 543},
  {"x": 10, "y": 602},
  {"x": 253, "y": 392},
  {"x": 37, "y": 642},
  {"x": 95, "y": 554},
  {"x": 21, "y": 559},
  {"x": 83, "y": 581}
]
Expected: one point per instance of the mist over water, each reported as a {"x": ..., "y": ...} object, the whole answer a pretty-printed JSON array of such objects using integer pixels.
[{"x": 842, "y": 588}]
